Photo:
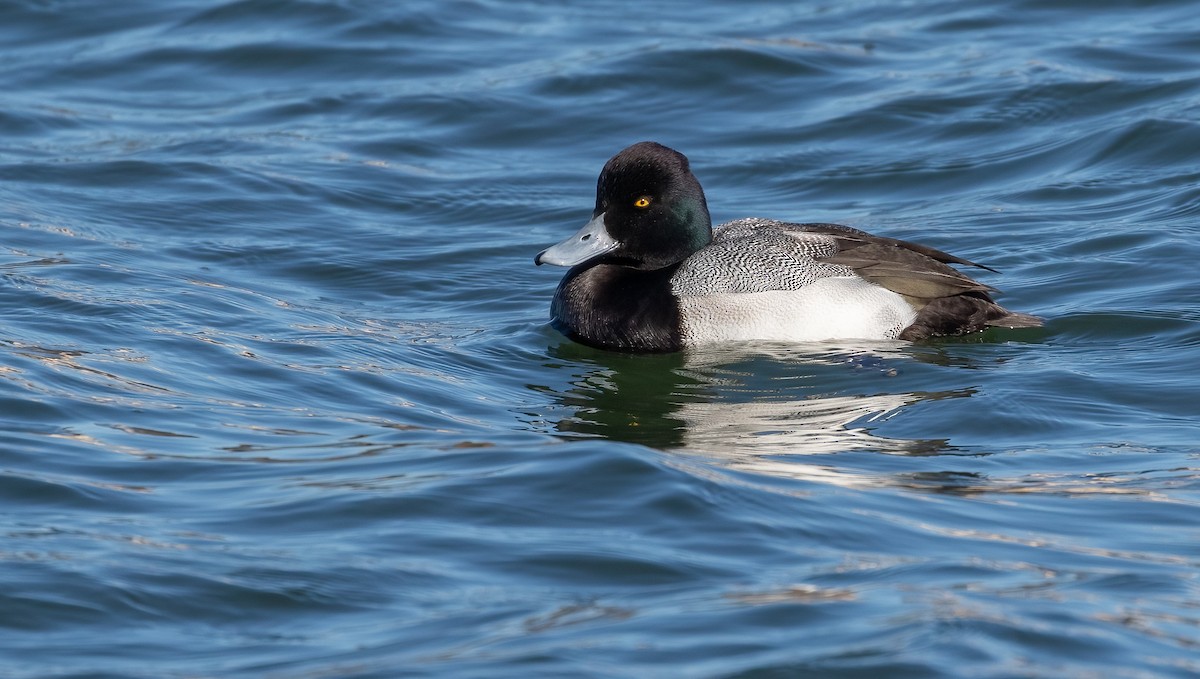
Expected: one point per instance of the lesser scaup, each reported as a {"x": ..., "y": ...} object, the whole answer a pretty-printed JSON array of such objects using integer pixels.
[{"x": 648, "y": 273}]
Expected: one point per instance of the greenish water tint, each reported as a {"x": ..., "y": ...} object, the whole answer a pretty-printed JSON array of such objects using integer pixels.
[{"x": 278, "y": 396}]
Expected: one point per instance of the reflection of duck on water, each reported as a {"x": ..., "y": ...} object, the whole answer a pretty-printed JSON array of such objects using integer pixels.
[{"x": 738, "y": 408}]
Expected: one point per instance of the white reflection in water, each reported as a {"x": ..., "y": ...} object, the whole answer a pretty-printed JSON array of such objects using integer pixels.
[{"x": 767, "y": 437}]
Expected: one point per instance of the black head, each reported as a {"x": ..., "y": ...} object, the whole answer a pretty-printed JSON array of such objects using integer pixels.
[
  {"x": 650, "y": 213},
  {"x": 653, "y": 206}
]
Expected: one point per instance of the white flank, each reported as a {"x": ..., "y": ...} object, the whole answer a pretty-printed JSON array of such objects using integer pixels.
[{"x": 841, "y": 307}]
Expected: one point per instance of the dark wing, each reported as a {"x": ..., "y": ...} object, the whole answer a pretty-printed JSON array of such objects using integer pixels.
[{"x": 916, "y": 272}]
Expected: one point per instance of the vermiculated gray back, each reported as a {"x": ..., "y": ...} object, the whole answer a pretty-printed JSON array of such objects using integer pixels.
[{"x": 757, "y": 255}]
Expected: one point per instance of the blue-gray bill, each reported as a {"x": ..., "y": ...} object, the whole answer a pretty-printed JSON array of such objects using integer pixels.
[{"x": 588, "y": 243}]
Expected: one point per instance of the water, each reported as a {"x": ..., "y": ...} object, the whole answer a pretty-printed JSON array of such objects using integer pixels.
[{"x": 279, "y": 396}]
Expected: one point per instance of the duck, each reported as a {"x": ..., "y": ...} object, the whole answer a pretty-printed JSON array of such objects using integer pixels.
[{"x": 648, "y": 273}]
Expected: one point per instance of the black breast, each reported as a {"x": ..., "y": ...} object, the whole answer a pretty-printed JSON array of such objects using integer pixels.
[{"x": 618, "y": 308}]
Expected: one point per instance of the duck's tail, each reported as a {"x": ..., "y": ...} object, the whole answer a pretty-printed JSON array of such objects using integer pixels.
[
  {"x": 1014, "y": 319},
  {"x": 965, "y": 313}
]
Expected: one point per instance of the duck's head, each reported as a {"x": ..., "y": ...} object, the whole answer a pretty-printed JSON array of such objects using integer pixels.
[{"x": 650, "y": 213}]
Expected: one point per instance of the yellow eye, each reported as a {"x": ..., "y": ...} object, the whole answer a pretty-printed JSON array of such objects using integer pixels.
[{"x": 643, "y": 202}]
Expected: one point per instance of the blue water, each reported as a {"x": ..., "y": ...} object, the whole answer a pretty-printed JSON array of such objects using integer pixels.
[{"x": 279, "y": 397}]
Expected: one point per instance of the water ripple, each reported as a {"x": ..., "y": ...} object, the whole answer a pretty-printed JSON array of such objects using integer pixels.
[{"x": 278, "y": 395}]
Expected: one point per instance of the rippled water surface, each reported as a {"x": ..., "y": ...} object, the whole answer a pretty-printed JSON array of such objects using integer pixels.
[{"x": 280, "y": 398}]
